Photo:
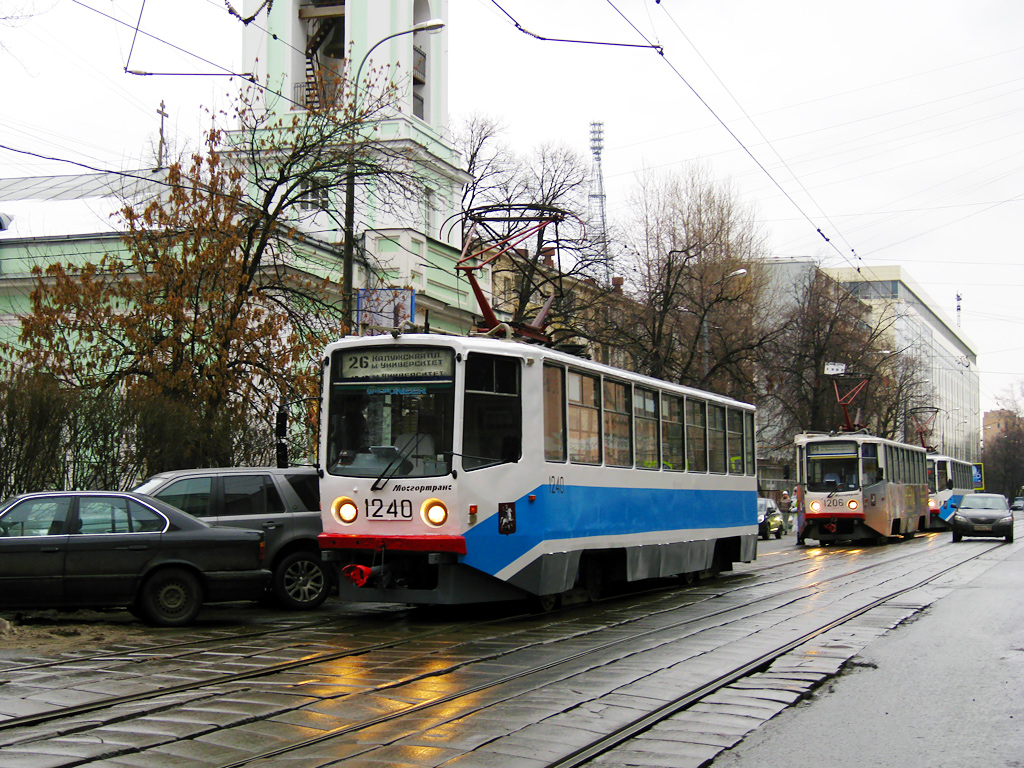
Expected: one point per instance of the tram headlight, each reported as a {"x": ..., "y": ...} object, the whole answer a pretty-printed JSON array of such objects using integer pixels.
[
  {"x": 344, "y": 510},
  {"x": 853, "y": 504},
  {"x": 815, "y": 506},
  {"x": 933, "y": 504},
  {"x": 434, "y": 512}
]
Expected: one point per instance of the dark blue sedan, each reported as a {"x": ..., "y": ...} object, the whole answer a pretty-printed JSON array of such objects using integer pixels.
[{"x": 95, "y": 549}]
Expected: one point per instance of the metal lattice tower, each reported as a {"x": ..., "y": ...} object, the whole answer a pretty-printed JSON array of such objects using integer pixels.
[{"x": 598, "y": 220}]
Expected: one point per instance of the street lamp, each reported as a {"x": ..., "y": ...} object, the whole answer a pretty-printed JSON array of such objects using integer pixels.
[
  {"x": 432, "y": 26},
  {"x": 704, "y": 321}
]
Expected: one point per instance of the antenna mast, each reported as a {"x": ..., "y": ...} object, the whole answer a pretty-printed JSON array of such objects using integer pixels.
[{"x": 597, "y": 197}]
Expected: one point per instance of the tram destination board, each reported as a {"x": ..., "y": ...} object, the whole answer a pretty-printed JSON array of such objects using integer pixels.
[{"x": 399, "y": 363}]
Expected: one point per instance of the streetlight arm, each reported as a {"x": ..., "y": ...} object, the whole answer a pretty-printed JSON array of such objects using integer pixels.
[{"x": 348, "y": 256}]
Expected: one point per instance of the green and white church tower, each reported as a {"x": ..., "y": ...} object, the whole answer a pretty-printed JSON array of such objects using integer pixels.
[{"x": 298, "y": 44}]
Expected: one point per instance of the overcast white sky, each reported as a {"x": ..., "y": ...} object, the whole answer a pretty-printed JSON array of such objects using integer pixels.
[{"x": 894, "y": 127}]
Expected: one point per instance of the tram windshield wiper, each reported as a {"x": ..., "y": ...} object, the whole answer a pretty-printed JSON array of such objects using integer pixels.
[{"x": 397, "y": 459}]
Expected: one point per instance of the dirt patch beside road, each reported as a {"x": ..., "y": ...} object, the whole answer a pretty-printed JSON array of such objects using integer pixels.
[{"x": 51, "y": 632}]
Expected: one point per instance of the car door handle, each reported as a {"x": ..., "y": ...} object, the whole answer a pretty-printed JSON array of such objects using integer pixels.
[
  {"x": 133, "y": 547},
  {"x": 271, "y": 525},
  {"x": 49, "y": 549}
]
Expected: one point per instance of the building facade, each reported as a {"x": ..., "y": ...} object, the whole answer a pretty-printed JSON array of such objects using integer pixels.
[
  {"x": 301, "y": 50},
  {"x": 920, "y": 329}
]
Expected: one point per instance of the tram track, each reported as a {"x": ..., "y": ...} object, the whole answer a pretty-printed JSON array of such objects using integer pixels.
[
  {"x": 605, "y": 743},
  {"x": 187, "y": 649},
  {"x": 584, "y": 639}
]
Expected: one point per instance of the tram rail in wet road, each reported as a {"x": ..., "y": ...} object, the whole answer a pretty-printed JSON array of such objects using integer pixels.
[{"x": 470, "y": 693}]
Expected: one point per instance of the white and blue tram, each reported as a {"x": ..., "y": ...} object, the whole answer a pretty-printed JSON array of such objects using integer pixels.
[
  {"x": 853, "y": 485},
  {"x": 462, "y": 470},
  {"x": 949, "y": 480}
]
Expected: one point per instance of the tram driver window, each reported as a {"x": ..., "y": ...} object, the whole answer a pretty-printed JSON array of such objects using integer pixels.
[{"x": 493, "y": 419}]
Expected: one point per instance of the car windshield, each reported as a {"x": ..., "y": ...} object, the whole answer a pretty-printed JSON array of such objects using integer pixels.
[{"x": 977, "y": 501}]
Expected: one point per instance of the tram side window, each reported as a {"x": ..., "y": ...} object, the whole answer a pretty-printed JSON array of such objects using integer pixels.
[
  {"x": 584, "y": 397},
  {"x": 717, "y": 457},
  {"x": 696, "y": 436},
  {"x": 618, "y": 439},
  {"x": 868, "y": 464},
  {"x": 645, "y": 411},
  {"x": 554, "y": 413},
  {"x": 751, "y": 445},
  {"x": 734, "y": 441},
  {"x": 672, "y": 426},
  {"x": 493, "y": 421}
]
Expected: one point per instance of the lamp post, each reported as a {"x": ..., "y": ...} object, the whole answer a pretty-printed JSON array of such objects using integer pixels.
[
  {"x": 432, "y": 26},
  {"x": 704, "y": 322}
]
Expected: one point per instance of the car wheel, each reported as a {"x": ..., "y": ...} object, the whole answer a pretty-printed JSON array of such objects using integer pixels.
[
  {"x": 301, "y": 581},
  {"x": 957, "y": 536},
  {"x": 1009, "y": 537},
  {"x": 778, "y": 533},
  {"x": 171, "y": 597}
]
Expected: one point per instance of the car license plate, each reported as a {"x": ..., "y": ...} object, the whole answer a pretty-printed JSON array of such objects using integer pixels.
[{"x": 983, "y": 527}]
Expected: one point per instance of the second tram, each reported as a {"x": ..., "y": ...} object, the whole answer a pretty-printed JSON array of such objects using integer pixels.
[
  {"x": 853, "y": 485},
  {"x": 949, "y": 480},
  {"x": 462, "y": 470}
]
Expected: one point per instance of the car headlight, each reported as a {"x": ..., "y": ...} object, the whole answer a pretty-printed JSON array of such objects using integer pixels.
[
  {"x": 959, "y": 519},
  {"x": 1007, "y": 519}
]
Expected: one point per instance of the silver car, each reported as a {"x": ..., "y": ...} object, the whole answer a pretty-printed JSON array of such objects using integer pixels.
[{"x": 982, "y": 514}]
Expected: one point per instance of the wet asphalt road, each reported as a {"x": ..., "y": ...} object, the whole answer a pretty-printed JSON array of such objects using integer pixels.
[{"x": 945, "y": 689}]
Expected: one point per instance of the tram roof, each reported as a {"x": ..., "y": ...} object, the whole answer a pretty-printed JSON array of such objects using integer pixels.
[
  {"x": 859, "y": 437},
  {"x": 532, "y": 351}
]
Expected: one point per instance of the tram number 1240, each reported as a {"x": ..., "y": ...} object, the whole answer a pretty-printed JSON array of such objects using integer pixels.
[{"x": 396, "y": 510}]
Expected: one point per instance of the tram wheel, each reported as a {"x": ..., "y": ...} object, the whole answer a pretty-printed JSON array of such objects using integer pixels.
[
  {"x": 546, "y": 603},
  {"x": 593, "y": 579}
]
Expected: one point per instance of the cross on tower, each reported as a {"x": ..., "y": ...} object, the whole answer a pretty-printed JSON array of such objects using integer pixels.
[{"x": 160, "y": 149}]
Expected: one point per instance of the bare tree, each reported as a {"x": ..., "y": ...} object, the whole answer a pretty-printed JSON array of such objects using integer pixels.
[
  {"x": 218, "y": 306},
  {"x": 1001, "y": 453},
  {"x": 542, "y": 197},
  {"x": 695, "y": 279}
]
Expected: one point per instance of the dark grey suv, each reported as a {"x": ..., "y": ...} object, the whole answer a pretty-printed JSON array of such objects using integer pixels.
[{"x": 284, "y": 503}]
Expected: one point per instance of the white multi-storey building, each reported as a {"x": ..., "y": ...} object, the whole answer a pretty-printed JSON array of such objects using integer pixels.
[
  {"x": 300, "y": 49},
  {"x": 922, "y": 330}
]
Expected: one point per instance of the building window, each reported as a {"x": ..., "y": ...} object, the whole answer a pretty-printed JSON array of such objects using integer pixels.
[{"x": 315, "y": 195}]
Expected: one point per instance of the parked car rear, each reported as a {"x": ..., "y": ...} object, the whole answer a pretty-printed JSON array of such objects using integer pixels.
[
  {"x": 283, "y": 503},
  {"x": 78, "y": 549}
]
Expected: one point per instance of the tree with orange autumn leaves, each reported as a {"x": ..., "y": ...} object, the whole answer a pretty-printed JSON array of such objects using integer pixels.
[{"x": 219, "y": 306}]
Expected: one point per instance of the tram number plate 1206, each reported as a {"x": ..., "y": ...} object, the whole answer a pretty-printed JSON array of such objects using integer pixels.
[{"x": 377, "y": 509}]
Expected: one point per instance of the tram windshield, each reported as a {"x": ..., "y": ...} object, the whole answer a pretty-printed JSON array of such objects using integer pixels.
[
  {"x": 390, "y": 412},
  {"x": 833, "y": 466}
]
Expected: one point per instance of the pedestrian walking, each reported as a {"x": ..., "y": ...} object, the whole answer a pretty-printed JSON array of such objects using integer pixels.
[{"x": 786, "y": 508}]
